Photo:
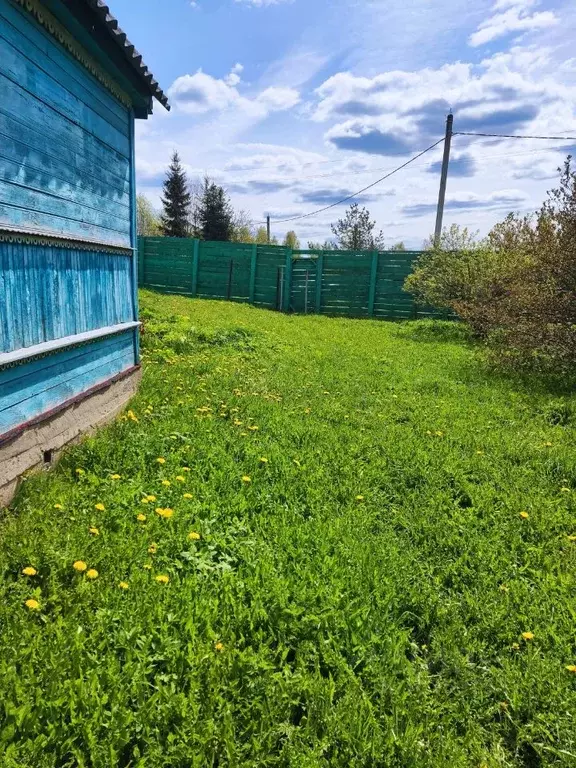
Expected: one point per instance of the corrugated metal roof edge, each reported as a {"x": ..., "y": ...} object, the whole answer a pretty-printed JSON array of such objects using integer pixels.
[{"x": 129, "y": 50}]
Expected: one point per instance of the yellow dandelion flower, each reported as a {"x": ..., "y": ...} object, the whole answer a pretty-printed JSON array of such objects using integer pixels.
[
  {"x": 92, "y": 574},
  {"x": 254, "y": 429},
  {"x": 94, "y": 531},
  {"x": 186, "y": 469},
  {"x": 439, "y": 433},
  {"x": 79, "y": 566},
  {"x": 548, "y": 445},
  {"x": 219, "y": 647},
  {"x": 180, "y": 479},
  {"x": 124, "y": 585},
  {"x": 116, "y": 477},
  {"x": 571, "y": 668},
  {"x": 359, "y": 498},
  {"x": 160, "y": 460},
  {"x": 141, "y": 518},
  {"x": 237, "y": 423},
  {"x": 144, "y": 501},
  {"x": 150, "y": 498},
  {"x": 166, "y": 483},
  {"x": 80, "y": 471},
  {"x": 479, "y": 453},
  {"x": 100, "y": 507},
  {"x": 246, "y": 479},
  {"x": 524, "y": 515},
  {"x": 152, "y": 549},
  {"x": 528, "y": 635},
  {"x": 29, "y": 571},
  {"x": 263, "y": 460},
  {"x": 33, "y": 605},
  {"x": 147, "y": 567},
  {"x": 571, "y": 538},
  {"x": 188, "y": 496},
  {"x": 193, "y": 536},
  {"x": 58, "y": 506},
  {"x": 515, "y": 647},
  {"x": 162, "y": 579}
]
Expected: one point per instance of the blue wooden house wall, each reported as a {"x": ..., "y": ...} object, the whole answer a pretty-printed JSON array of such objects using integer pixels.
[{"x": 68, "y": 307}]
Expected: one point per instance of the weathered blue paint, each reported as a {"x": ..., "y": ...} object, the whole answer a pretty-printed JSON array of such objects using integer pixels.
[
  {"x": 28, "y": 390},
  {"x": 52, "y": 292},
  {"x": 69, "y": 171},
  {"x": 134, "y": 237}
]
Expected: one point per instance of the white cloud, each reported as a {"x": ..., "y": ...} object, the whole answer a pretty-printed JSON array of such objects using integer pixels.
[
  {"x": 201, "y": 93},
  {"x": 233, "y": 78},
  {"x": 278, "y": 99},
  {"x": 512, "y": 16}
]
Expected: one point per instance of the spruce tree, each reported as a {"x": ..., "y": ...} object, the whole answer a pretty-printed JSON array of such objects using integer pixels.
[
  {"x": 216, "y": 214},
  {"x": 176, "y": 201}
]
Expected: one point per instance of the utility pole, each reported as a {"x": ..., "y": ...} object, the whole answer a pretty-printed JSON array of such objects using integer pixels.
[
  {"x": 443, "y": 179},
  {"x": 268, "y": 228}
]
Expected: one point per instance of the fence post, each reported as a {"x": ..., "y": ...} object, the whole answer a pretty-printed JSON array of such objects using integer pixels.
[
  {"x": 319, "y": 271},
  {"x": 253, "y": 263},
  {"x": 195, "y": 260},
  {"x": 373, "y": 276},
  {"x": 141, "y": 264},
  {"x": 288, "y": 281}
]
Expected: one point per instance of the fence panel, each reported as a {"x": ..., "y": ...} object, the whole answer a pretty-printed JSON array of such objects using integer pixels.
[{"x": 346, "y": 283}]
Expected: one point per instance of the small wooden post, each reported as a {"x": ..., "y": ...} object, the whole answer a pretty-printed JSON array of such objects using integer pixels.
[
  {"x": 230, "y": 273},
  {"x": 319, "y": 271},
  {"x": 288, "y": 280},
  {"x": 373, "y": 276},
  {"x": 195, "y": 260},
  {"x": 253, "y": 264}
]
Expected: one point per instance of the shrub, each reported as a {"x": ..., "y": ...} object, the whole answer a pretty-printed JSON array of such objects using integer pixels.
[{"x": 517, "y": 288}]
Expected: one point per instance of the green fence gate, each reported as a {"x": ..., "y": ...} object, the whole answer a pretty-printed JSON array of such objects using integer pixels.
[{"x": 348, "y": 283}]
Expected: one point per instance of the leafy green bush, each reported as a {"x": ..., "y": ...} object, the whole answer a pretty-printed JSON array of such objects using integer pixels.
[{"x": 517, "y": 288}]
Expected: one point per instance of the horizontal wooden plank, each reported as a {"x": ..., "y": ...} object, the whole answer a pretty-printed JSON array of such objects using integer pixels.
[
  {"x": 26, "y": 353},
  {"x": 31, "y": 389},
  {"x": 26, "y": 143},
  {"x": 24, "y": 196},
  {"x": 41, "y": 48},
  {"x": 24, "y": 220}
]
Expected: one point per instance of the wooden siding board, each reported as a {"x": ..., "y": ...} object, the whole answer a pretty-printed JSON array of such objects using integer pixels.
[
  {"x": 26, "y": 143},
  {"x": 28, "y": 29},
  {"x": 65, "y": 161},
  {"x": 31, "y": 389},
  {"x": 42, "y": 284}
]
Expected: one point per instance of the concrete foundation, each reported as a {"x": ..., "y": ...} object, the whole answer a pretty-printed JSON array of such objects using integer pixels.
[{"x": 29, "y": 449}]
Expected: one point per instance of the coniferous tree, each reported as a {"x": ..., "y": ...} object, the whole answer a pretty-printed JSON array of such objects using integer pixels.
[
  {"x": 176, "y": 201},
  {"x": 216, "y": 216},
  {"x": 355, "y": 232}
]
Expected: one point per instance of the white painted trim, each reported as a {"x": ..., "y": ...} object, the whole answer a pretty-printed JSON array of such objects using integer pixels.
[{"x": 66, "y": 341}]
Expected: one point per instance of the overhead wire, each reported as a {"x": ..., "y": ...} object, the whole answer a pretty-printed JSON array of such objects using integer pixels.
[
  {"x": 361, "y": 191},
  {"x": 514, "y": 136}
]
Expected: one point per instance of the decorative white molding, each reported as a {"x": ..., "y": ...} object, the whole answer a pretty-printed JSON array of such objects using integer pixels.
[{"x": 48, "y": 347}]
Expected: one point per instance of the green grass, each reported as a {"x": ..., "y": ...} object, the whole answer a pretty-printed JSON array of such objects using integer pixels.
[{"x": 368, "y": 632}]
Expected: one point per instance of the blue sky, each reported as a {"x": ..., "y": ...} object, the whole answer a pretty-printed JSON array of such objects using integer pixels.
[{"x": 292, "y": 104}]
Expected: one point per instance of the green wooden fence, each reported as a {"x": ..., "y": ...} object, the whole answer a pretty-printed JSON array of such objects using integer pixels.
[{"x": 353, "y": 284}]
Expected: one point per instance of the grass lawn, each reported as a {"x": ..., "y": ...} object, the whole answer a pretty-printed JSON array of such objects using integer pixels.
[{"x": 318, "y": 542}]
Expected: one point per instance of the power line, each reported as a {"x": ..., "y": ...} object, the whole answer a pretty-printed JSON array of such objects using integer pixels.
[
  {"x": 355, "y": 194},
  {"x": 510, "y": 136}
]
